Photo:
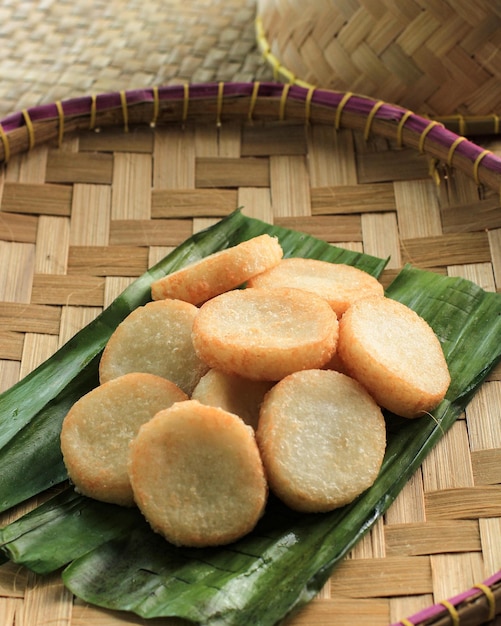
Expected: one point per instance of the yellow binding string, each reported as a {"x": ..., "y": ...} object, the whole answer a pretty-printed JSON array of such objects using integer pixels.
[
  {"x": 462, "y": 125},
  {"x": 340, "y": 108},
  {"x": 370, "y": 118},
  {"x": 30, "y": 129},
  {"x": 452, "y": 612},
  {"x": 220, "y": 97},
  {"x": 6, "y": 145},
  {"x": 125, "y": 112},
  {"x": 491, "y": 599},
  {"x": 156, "y": 107},
  {"x": 400, "y": 128},
  {"x": 307, "y": 105},
  {"x": 406, "y": 622},
  {"x": 252, "y": 106},
  {"x": 496, "y": 123},
  {"x": 283, "y": 102},
  {"x": 425, "y": 132},
  {"x": 93, "y": 112},
  {"x": 186, "y": 101},
  {"x": 452, "y": 149},
  {"x": 476, "y": 165},
  {"x": 60, "y": 113}
]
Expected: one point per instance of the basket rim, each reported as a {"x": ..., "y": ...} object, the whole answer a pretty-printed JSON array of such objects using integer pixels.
[
  {"x": 20, "y": 132},
  {"x": 483, "y": 592},
  {"x": 461, "y": 123},
  {"x": 221, "y": 101}
]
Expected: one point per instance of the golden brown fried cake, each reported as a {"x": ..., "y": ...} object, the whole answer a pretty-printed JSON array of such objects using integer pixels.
[
  {"x": 339, "y": 284},
  {"x": 322, "y": 440},
  {"x": 395, "y": 355},
  {"x": 97, "y": 430},
  {"x": 265, "y": 334},
  {"x": 220, "y": 271},
  {"x": 233, "y": 394},
  {"x": 155, "y": 338},
  {"x": 197, "y": 475}
]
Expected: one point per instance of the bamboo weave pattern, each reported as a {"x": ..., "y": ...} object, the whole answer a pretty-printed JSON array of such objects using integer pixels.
[
  {"x": 436, "y": 58},
  {"x": 80, "y": 221}
]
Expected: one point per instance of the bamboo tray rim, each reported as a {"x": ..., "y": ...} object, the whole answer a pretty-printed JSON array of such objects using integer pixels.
[
  {"x": 255, "y": 101},
  {"x": 22, "y": 131},
  {"x": 488, "y": 592}
]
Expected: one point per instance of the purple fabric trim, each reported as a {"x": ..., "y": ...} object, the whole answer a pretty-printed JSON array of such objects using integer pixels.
[
  {"x": 437, "y": 609},
  {"x": 356, "y": 104}
]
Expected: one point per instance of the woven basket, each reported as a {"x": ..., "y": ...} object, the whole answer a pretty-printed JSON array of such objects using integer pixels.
[
  {"x": 437, "y": 58},
  {"x": 351, "y": 170}
]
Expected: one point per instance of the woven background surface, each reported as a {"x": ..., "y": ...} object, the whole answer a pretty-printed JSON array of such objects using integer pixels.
[
  {"x": 58, "y": 49},
  {"x": 79, "y": 222},
  {"x": 70, "y": 219}
]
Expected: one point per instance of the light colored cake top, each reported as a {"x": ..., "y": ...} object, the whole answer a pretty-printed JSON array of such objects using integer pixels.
[
  {"x": 339, "y": 284},
  {"x": 197, "y": 475},
  {"x": 322, "y": 439},
  {"x": 219, "y": 272}
]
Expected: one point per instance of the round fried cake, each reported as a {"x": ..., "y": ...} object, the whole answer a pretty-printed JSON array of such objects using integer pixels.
[
  {"x": 322, "y": 440},
  {"x": 219, "y": 272},
  {"x": 395, "y": 355},
  {"x": 155, "y": 338},
  {"x": 265, "y": 334},
  {"x": 339, "y": 284},
  {"x": 197, "y": 475},
  {"x": 97, "y": 430}
]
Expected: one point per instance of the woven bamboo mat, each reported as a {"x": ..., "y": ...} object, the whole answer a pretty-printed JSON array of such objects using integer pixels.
[
  {"x": 79, "y": 221},
  {"x": 58, "y": 49}
]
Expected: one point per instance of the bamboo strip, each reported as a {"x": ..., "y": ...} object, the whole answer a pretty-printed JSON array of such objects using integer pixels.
[
  {"x": 261, "y": 140},
  {"x": 36, "y": 199},
  {"x": 289, "y": 186},
  {"x": 23, "y": 317},
  {"x": 188, "y": 203},
  {"x": 131, "y": 197},
  {"x": 423, "y": 538},
  {"x": 52, "y": 245},
  {"x": 16, "y": 260},
  {"x": 90, "y": 215},
  {"x": 448, "y": 249},
  {"x": 138, "y": 140},
  {"x": 391, "y": 576},
  {"x": 452, "y": 571},
  {"x": 448, "y": 464},
  {"x": 37, "y": 348},
  {"x": 73, "y": 318},
  {"x": 332, "y": 229},
  {"x": 372, "y": 612},
  {"x": 256, "y": 202},
  {"x": 11, "y": 345},
  {"x": 66, "y": 290},
  {"x": 107, "y": 261},
  {"x": 20, "y": 228},
  {"x": 46, "y": 601},
  {"x": 464, "y": 503},
  {"x": 417, "y": 209},
  {"x": 168, "y": 232},
  {"x": 79, "y": 167},
  {"x": 368, "y": 198},
  {"x": 231, "y": 172},
  {"x": 486, "y": 465},
  {"x": 380, "y": 236}
]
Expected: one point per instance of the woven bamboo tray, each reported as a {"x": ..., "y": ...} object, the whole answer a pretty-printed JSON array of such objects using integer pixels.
[
  {"x": 96, "y": 189},
  {"x": 437, "y": 58}
]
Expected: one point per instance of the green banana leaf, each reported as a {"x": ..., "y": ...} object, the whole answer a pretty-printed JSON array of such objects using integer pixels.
[
  {"x": 32, "y": 411},
  {"x": 112, "y": 559}
]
